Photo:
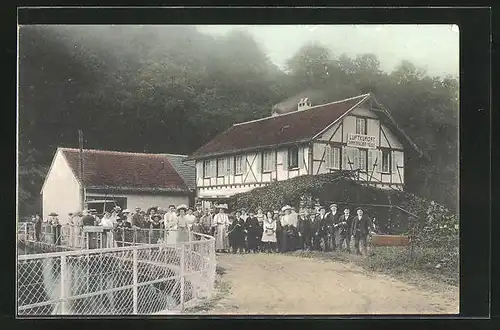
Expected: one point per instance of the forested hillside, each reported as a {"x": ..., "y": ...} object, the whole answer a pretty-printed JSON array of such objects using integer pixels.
[{"x": 170, "y": 90}]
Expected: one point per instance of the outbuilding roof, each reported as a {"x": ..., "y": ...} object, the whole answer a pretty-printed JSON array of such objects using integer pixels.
[{"x": 125, "y": 170}]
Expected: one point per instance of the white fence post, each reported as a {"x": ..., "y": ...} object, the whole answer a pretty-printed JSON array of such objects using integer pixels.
[
  {"x": 182, "y": 274},
  {"x": 135, "y": 288},
  {"x": 64, "y": 285}
]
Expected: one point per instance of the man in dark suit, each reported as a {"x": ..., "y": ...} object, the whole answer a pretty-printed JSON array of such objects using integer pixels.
[
  {"x": 252, "y": 230},
  {"x": 360, "y": 230},
  {"x": 332, "y": 221},
  {"x": 317, "y": 229},
  {"x": 304, "y": 229},
  {"x": 345, "y": 227}
]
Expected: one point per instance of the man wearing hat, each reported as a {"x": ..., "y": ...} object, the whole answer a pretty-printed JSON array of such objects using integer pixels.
[
  {"x": 254, "y": 233},
  {"x": 316, "y": 227},
  {"x": 332, "y": 217},
  {"x": 304, "y": 229},
  {"x": 345, "y": 227},
  {"x": 360, "y": 230},
  {"x": 123, "y": 233},
  {"x": 137, "y": 219}
]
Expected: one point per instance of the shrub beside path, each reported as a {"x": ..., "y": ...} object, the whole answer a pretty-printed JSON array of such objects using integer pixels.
[{"x": 287, "y": 284}]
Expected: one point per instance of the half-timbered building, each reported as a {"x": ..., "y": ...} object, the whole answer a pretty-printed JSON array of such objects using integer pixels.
[{"x": 352, "y": 134}]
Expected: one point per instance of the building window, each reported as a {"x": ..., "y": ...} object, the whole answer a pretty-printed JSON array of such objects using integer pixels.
[
  {"x": 208, "y": 168},
  {"x": 363, "y": 160},
  {"x": 293, "y": 157},
  {"x": 361, "y": 126},
  {"x": 238, "y": 165},
  {"x": 332, "y": 157},
  {"x": 268, "y": 161},
  {"x": 386, "y": 161},
  {"x": 221, "y": 170}
]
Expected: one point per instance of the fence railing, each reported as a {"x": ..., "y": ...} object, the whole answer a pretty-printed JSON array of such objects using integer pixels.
[
  {"x": 141, "y": 278},
  {"x": 76, "y": 237}
]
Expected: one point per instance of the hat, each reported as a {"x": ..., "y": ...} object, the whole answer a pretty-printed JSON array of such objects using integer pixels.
[
  {"x": 117, "y": 207},
  {"x": 359, "y": 208},
  {"x": 221, "y": 206},
  {"x": 53, "y": 214},
  {"x": 126, "y": 211},
  {"x": 93, "y": 211},
  {"x": 286, "y": 207},
  {"x": 155, "y": 216},
  {"x": 182, "y": 207},
  {"x": 332, "y": 205}
]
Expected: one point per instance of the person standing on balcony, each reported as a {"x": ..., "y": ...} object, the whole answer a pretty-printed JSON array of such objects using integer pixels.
[
  {"x": 155, "y": 228},
  {"x": 360, "y": 230},
  {"x": 107, "y": 222},
  {"x": 221, "y": 221},
  {"x": 56, "y": 228},
  {"x": 38, "y": 226}
]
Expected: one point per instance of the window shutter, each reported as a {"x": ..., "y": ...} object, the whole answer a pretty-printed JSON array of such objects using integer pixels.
[
  {"x": 285, "y": 158},
  {"x": 370, "y": 161},
  {"x": 345, "y": 164},
  {"x": 273, "y": 160},
  {"x": 258, "y": 161},
  {"x": 229, "y": 166},
  {"x": 199, "y": 169},
  {"x": 394, "y": 162},
  {"x": 328, "y": 150},
  {"x": 301, "y": 158},
  {"x": 355, "y": 153},
  {"x": 337, "y": 158}
]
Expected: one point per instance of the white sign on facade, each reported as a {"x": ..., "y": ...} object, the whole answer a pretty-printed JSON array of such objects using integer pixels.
[{"x": 361, "y": 141}]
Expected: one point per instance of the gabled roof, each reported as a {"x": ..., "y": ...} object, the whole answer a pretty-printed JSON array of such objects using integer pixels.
[
  {"x": 288, "y": 128},
  {"x": 186, "y": 169},
  {"x": 125, "y": 170}
]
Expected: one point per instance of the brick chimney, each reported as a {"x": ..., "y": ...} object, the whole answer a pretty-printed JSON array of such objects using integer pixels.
[{"x": 303, "y": 104}]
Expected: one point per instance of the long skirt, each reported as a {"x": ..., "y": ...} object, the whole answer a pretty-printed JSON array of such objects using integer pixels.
[
  {"x": 221, "y": 239},
  {"x": 182, "y": 235}
]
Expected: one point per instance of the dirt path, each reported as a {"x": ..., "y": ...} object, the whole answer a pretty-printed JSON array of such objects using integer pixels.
[{"x": 285, "y": 284}]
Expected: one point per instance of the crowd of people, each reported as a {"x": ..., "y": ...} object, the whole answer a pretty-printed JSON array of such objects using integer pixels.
[
  {"x": 179, "y": 218},
  {"x": 311, "y": 228}
]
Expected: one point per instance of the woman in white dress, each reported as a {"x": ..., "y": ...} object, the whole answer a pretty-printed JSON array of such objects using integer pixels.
[
  {"x": 108, "y": 221},
  {"x": 269, "y": 233},
  {"x": 221, "y": 221}
]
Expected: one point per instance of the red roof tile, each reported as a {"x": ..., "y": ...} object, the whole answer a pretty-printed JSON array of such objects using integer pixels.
[
  {"x": 135, "y": 171},
  {"x": 271, "y": 131}
]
